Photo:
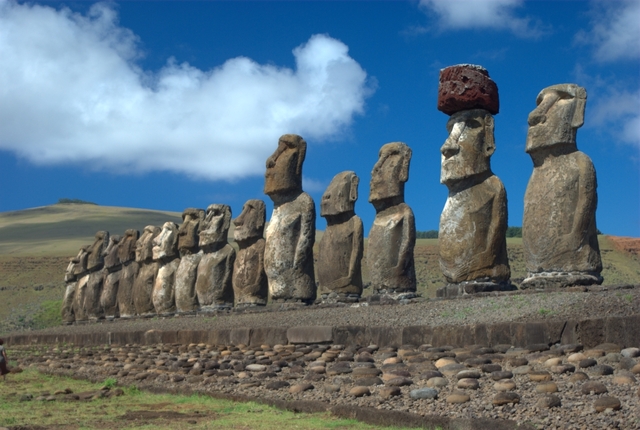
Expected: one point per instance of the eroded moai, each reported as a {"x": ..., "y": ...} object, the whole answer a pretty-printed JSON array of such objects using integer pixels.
[
  {"x": 288, "y": 257},
  {"x": 128, "y": 273},
  {"x": 146, "y": 277},
  {"x": 250, "y": 285},
  {"x": 473, "y": 224},
  {"x": 214, "y": 282},
  {"x": 392, "y": 237},
  {"x": 71, "y": 281},
  {"x": 188, "y": 238},
  {"x": 559, "y": 225},
  {"x": 112, "y": 269},
  {"x": 340, "y": 250},
  {"x": 165, "y": 253},
  {"x": 82, "y": 279},
  {"x": 95, "y": 263}
]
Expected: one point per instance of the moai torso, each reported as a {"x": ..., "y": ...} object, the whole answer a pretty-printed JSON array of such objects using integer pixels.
[
  {"x": 165, "y": 253},
  {"x": 82, "y": 278},
  {"x": 187, "y": 273},
  {"x": 146, "y": 277},
  {"x": 95, "y": 263},
  {"x": 250, "y": 286},
  {"x": 112, "y": 269},
  {"x": 290, "y": 236},
  {"x": 128, "y": 273}
]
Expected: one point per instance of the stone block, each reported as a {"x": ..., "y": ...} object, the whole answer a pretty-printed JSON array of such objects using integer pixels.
[
  {"x": 349, "y": 335},
  {"x": 310, "y": 334},
  {"x": 417, "y": 335},
  {"x": 591, "y": 332},
  {"x": 384, "y": 336},
  {"x": 239, "y": 336},
  {"x": 268, "y": 336}
]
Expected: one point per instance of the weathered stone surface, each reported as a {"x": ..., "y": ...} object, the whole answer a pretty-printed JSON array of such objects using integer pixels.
[
  {"x": 165, "y": 253},
  {"x": 82, "y": 277},
  {"x": 505, "y": 397},
  {"x": 467, "y": 86},
  {"x": 148, "y": 269},
  {"x": 93, "y": 289},
  {"x": 393, "y": 234},
  {"x": 127, "y": 255},
  {"x": 71, "y": 279},
  {"x": 548, "y": 401},
  {"x": 340, "y": 250},
  {"x": 473, "y": 224},
  {"x": 250, "y": 285},
  {"x": 215, "y": 270},
  {"x": 188, "y": 239},
  {"x": 185, "y": 294},
  {"x": 112, "y": 268},
  {"x": 606, "y": 402},
  {"x": 424, "y": 393},
  {"x": 593, "y": 387},
  {"x": 559, "y": 226},
  {"x": 290, "y": 236}
]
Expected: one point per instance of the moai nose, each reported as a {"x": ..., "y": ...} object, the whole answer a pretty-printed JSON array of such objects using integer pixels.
[{"x": 450, "y": 148}]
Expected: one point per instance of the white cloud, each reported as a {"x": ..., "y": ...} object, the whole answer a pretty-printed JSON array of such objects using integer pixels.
[
  {"x": 474, "y": 14},
  {"x": 617, "y": 111},
  {"x": 615, "y": 31},
  {"x": 71, "y": 92}
]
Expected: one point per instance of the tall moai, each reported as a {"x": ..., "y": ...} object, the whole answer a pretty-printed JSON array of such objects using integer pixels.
[
  {"x": 188, "y": 245},
  {"x": 165, "y": 253},
  {"x": 82, "y": 280},
  {"x": 215, "y": 271},
  {"x": 130, "y": 267},
  {"x": 473, "y": 224},
  {"x": 559, "y": 233},
  {"x": 95, "y": 263},
  {"x": 250, "y": 286},
  {"x": 392, "y": 237},
  {"x": 71, "y": 281},
  {"x": 146, "y": 277},
  {"x": 290, "y": 236},
  {"x": 112, "y": 269},
  {"x": 339, "y": 260}
]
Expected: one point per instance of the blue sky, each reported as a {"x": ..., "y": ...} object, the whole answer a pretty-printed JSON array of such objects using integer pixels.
[{"x": 167, "y": 105}]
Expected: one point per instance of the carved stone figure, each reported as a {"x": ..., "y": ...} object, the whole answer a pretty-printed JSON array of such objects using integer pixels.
[
  {"x": 290, "y": 236},
  {"x": 128, "y": 273},
  {"x": 340, "y": 250},
  {"x": 146, "y": 277},
  {"x": 473, "y": 224},
  {"x": 559, "y": 225},
  {"x": 95, "y": 263},
  {"x": 392, "y": 237},
  {"x": 250, "y": 285},
  {"x": 165, "y": 253},
  {"x": 215, "y": 270},
  {"x": 112, "y": 269},
  {"x": 185, "y": 283},
  {"x": 68, "y": 315},
  {"x": 82, "y": 279}
]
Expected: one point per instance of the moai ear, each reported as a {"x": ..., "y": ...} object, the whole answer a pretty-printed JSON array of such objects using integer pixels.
[
  {"x": 227, "y": 218},
  {"x": 489, "y": 139},
  {"x": 406, "y": 160},
  {"x": 353, "y": 191},
  {"x": 578, "y": 114}
]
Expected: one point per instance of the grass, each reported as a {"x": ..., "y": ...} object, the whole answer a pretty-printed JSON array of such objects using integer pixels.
[{"x": 140, "y": 410}]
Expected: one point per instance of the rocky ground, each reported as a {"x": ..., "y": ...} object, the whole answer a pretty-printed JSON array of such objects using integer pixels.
[{"x": 562, "y": 387}]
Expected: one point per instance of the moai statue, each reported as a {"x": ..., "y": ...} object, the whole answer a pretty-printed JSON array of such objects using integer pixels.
[
  {"x": 95, "y": 263},
  {"x": 215, "y": 270},
  {"x": 393, "y": 235},
  {"x": 165, "y": 253},
  {"x": 68, "y": 316},
  {"x": 250, "y": 285},
  {"x": 146, "y": 277},
  {"x": 288, "y": 256},
  {"x": 127, "y": 258},
  {"x": 112, "y": 269},
  {"x": 473, "y": 224},
  {"x": 82, "y": 279},
  {"x": 559, "y": 225},
  {"x": 185, "y": 284},
  {"x": 339, "y": 261}
]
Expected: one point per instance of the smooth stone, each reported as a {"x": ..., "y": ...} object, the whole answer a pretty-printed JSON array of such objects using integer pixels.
[
  {"x": 630, "y": 352},
  {"x": 562, "y": 368},
  {"x": 539, "y": 376},
  {"x": 504, "y": 385},
  {"x": 521, "y": 370},
  {"x": 578, "y": 376},
  {"x": 594, "y": 353},
  {"x": 299, "y": 388},
  {"x": 365, "y": 372},
  {"x": 576, "y": 357},
  {"x": 606, "y": 402},
  {"x": 636, "y": 369},
  {"x": 331, "y": 388},
  {"x": 451, "y": 370},
  {"x": 474, "y": 374},
  {"x": 587, "y": 362},
  {"x": 547, "y": 387},
  {"x": 555, "y": 361},
  {"x": 602, "y": 370},
  {"x": 359, "y": 391},
  {"x": 468, "y": 383},
  {"x": 624, "y": 379},
  {"x": 388, "y": 392},
  {"x": 457, "y": 398},
  {"x": 593, "y": 387},
  {"x": 276, "y": 385},
  {"x": 488, "y": 368},
  {"x": 609, "y": 347},
  {"x": 445, "y": 362},
  {"x": 256, "y": 367},
  {"x": 399, "y": 382},
  {"x": 505, "y": 397},
  {"x": 548, "y": 401},
  {"x": 502, "y": 374},
  {"x": 368, "y": 382},
  {"x": 424, "y": 393},
  {"x": 518, "y": 361},
  {"x": 437, "y": 382},
  {"x": 627, "y": 363}
]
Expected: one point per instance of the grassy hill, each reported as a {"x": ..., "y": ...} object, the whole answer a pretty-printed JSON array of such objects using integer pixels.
[{"x": 36, "y": 244}]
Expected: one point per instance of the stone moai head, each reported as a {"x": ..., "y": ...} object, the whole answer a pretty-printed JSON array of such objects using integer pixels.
[
  {"x": 127, "y": 248},
  {"x": 284, "y": 167},
  {"x": 468, "y": 149},
  {"x": 188, "y": 231},
  {"x": 390, "y": 172},
  {"x": 341, "y": 194},
  {"x": 215, "y": 225},
  {"x": 81, "y": 264},
  {"x": 165, "y": 245},
  {"x": 250, "y": 223},
  {"x": 144, "y": 245},
  {"x": 74, "y": 263},
  {"x": 111, "y": 253},
  {"x": 96, "y": 253},
  {"x": 557, "y": 117}
]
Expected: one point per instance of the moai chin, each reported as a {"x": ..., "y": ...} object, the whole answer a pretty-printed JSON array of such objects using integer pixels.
[
  {"x": 95, "y": 263},
  {"x": 250, "y": 285},
  {"x": 215, "y": 271},
  {"x": 165, "y": 253},
  {"x": 188, "y": 244},
  {"x": 147, "y": 272},
  {"x": 82, "y": 279},
  {"x": 473, "y": 224},
  {"x": 112, "y": 269},
  {"x": 128, "y": 273},
  {"x": 340, "y": 250},
  {"x": 288, "y": 257},
  {"x": 392, "y": 237},
  {"x": 559, "y": 225}
]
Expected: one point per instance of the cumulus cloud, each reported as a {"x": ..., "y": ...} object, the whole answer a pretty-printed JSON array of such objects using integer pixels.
[
  {"x": 618, "y": 112},
  {"x": 468, "y": 14},
  {"x": 71, "y": 91},
  {"x": 615, "y": 31}
]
